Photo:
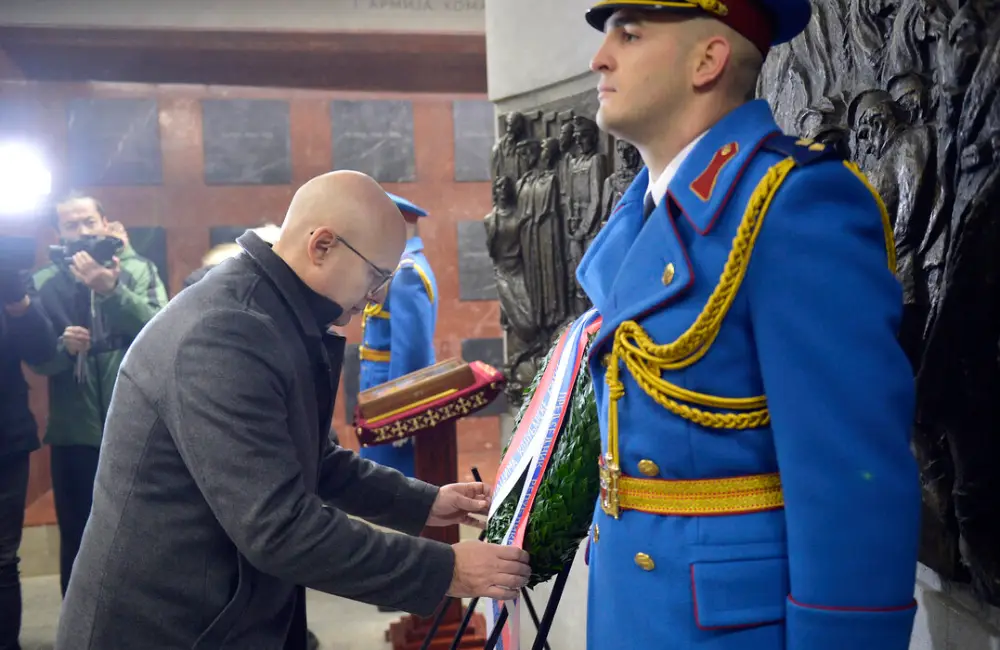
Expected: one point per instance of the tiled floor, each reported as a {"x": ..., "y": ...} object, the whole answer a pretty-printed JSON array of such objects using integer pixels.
[{"x": 42, "y": 512}]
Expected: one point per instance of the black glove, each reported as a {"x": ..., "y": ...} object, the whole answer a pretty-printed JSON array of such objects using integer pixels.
[{"x": 13, "y": 286}]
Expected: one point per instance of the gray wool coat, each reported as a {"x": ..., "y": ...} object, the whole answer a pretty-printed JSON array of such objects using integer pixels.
[{"x": 218, "y": 493}]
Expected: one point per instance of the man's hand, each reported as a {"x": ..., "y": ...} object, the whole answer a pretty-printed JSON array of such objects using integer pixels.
[
  {"x": 488, "y": 571},
  {"x": 100, "y": 279},
  {"x": 456, "y": 503},
  {"x": 117, "y": 229},
  {"x": 76, "y": 339}
]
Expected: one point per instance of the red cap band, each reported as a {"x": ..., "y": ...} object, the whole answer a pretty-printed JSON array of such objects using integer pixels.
[{"x": 750, "y": 20}]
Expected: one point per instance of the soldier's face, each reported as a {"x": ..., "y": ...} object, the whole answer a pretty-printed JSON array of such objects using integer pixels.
[{"x": 642, "y": 75}]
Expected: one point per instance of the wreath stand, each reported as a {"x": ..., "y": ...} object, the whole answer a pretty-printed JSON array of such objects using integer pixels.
[
  {"x": 459, "y": 637},
  {"x": 426, "y": 405},
  {"x": 545, "y": 625}
]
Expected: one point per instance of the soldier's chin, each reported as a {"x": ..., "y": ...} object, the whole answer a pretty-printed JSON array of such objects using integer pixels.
[
  {"x": 602, "y": 118},
  {"x": 607, "y": 121}
]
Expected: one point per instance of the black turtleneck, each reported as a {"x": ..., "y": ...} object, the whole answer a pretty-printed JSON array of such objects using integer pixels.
[{"x": 324, "y": 310}]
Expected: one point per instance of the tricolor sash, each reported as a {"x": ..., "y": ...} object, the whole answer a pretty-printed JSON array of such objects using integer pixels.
[{"x": 532, "y": 445}]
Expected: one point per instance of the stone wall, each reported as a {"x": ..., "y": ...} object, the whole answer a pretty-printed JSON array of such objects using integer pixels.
[{"x": 188, "y": 167}]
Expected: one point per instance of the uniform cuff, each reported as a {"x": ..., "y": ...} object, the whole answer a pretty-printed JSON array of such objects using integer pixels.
[{"x": 831, "y": 628}]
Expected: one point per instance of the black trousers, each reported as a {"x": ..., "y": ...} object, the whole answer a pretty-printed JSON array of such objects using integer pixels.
[
  {"x": 296, "y": 639},
  {"x": 300, "y": 637},
  {"x": 13, "y": 494},
  {"x": 74, "y": 468}
]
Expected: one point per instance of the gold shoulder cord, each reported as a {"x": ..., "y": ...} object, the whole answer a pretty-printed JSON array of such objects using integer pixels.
[
  {"x": 647, "y": 361},
  {"x": 890, "y": 240}
]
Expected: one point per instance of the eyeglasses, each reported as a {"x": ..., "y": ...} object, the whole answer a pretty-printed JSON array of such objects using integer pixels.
[{"x": 383, "y": 276}]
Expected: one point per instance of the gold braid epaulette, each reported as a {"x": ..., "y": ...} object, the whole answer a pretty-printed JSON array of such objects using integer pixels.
[{"x": 647, "y": 360}]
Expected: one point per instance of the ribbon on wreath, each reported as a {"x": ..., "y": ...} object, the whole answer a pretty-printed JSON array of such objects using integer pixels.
[{"x": 531, "y": 448}]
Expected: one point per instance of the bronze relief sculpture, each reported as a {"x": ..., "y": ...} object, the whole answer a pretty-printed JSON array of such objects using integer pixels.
[
  {"x": 914, "y": 98},
  {"x": 553, "y": 189}
]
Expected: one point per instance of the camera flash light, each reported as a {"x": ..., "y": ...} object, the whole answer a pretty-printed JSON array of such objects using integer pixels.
[{"x": 25, "y": 181}]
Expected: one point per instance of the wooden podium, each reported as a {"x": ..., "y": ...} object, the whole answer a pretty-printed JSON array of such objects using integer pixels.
[{"x": 426, "y": 405}]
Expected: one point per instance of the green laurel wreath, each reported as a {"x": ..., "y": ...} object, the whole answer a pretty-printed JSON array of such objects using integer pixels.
[{"x": 564, "y": 506}]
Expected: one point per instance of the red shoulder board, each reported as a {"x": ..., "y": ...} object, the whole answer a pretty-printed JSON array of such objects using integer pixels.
[{"x": 703, "y": 185}]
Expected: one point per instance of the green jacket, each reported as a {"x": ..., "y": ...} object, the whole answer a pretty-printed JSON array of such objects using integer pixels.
[{"x": 78, "y": 406}]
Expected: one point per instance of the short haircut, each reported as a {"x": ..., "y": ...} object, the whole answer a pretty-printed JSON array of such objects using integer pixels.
[
  {"x": 746, "y": 73},
  {"x": 745, "y": 60},
  {"x": 76, "y": 195}
]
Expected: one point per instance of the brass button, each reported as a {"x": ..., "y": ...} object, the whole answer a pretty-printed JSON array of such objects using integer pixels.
[
  {"x": 644, "y": 561},
  {"x": 648, "y": 467},
  {"x": 606, "y": 360},
  {"x": 597, "y": 533},
  {"x": 668, "y": 274}
]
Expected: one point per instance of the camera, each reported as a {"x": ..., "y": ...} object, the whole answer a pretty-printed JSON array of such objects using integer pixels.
[
  {"x": 102, "y": 249},
  {"x": 17, "y": 257}
]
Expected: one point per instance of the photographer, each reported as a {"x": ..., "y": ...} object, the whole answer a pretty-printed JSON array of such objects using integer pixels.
[
  {"x": 25, "y": 335},
  {"x": 97, "y": 307}
]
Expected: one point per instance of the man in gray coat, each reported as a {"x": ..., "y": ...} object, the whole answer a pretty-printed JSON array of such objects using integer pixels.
[{"x": 218, "y": 491}]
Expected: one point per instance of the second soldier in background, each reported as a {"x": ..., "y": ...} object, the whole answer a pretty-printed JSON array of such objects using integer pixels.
[{"x": 398, "y": 336}]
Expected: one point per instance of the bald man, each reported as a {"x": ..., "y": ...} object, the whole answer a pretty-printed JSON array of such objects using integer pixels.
[{"x": 218, "y": 492}]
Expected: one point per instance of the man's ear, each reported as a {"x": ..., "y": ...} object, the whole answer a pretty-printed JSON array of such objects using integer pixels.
[
  {"x": 320, "y": 242},
  {"x": 713, "y": 55}
]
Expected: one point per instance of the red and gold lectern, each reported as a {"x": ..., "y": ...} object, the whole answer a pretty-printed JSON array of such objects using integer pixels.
[{"x": 426, "y": 405}]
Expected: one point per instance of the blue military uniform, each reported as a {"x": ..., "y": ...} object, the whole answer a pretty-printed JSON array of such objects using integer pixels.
[
  {"x": 398, "y": 336},
  {"x": 758, "y": 488}
]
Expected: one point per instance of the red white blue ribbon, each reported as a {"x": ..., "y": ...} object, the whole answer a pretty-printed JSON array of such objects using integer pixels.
[{"x": 531, "y": 448}]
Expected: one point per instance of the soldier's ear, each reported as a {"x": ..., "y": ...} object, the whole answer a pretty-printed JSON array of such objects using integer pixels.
[{"x": 711, "y": 56}]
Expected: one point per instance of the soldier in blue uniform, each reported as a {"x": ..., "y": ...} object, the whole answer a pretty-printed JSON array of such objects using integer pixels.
[
  {"x": 758, "y": 488},
  {"x": 398, "y": 335}
]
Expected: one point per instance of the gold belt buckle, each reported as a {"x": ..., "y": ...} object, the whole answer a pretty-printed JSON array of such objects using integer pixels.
[{"x": 609, "y": 474}]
